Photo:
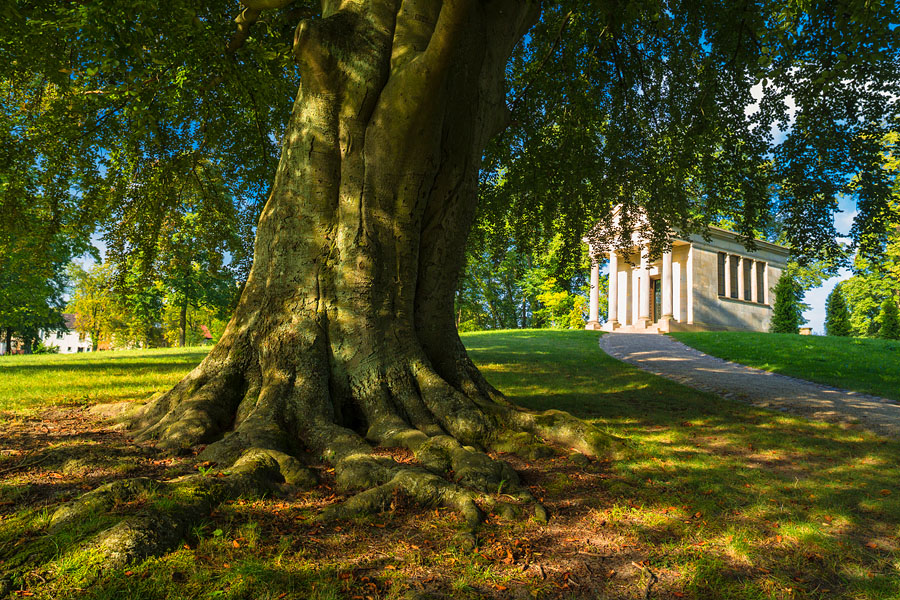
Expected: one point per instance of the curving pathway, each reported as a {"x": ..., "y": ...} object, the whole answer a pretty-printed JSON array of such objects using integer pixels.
[{"x": 667, "y": 357}]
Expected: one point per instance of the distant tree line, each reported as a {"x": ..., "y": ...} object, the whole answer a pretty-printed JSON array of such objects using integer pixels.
[
  {"x": 507, "y": 284},
  {"x": 177, "y": 251}
]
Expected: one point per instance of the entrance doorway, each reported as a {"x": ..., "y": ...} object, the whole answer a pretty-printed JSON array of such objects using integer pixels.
[{"x": 656, "y": 296}]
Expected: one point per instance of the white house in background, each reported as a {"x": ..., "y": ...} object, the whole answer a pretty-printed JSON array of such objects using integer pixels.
[
  {"x": 70, "y": 341},
  {"x": 698, "y": 285}
]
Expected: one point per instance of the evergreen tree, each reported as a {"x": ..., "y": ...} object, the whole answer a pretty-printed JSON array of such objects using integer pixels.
[
  {"x": 837, "y": 315},
  {"x": 890, "y": 320},
  {"x": 787, "y": 314}
]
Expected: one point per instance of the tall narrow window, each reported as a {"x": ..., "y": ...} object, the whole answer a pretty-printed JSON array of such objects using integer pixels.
[
  {"x": 748, "y": 283},
  {"x": 733, "y": 292},
  {"x": 721, "y": 273},
  {"x": 761, "y": 282}
]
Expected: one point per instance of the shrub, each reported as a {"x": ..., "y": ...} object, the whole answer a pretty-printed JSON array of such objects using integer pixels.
[
  {"x": 560, "y": 309},
  {"x": 40, "y": 348},
  {"x": 890, "y": 321},
  {"x": 787, "y": 312}
]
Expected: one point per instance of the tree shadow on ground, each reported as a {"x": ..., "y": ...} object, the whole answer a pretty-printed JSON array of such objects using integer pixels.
[{"x": 742, "y": 501}]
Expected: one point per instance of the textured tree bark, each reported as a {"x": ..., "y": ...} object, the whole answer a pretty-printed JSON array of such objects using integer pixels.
[{"x": 344, "y": 336}]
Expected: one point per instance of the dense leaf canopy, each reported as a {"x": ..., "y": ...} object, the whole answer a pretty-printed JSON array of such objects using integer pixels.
[{"x": 670, "y": 106}]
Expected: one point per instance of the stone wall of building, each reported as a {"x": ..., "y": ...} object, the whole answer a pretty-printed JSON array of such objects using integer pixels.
[
  {"x": 696, "y": 302},
  {"x": 712, "y": 311}
]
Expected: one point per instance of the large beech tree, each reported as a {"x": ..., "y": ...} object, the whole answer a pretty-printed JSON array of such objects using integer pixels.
[{"x": 344, "y": 337}]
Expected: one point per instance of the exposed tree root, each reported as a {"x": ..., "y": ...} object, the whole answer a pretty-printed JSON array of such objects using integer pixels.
[
  {"x": 170, "y": 510},
  {"x": 258, "y": 455}
]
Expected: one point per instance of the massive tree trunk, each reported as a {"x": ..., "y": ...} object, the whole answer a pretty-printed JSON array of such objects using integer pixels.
[{"x": 344, "y": 337}]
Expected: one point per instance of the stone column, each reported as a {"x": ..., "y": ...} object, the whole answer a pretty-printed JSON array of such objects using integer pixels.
[
  {"x": 594, "y": 307},
  {"x": 727, "y": 275},
  {"x": 613, "y": 289},
  {"x": 644, "y": 301},
  {"x": 635, "y": 296},
  {"x": 754, "y": 288},
  {"x": 666, "y": 317},
  {"x": 740, "y": 274}
]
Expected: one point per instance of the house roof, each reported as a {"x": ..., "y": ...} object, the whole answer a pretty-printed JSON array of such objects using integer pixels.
[
  {"x": 603, "y": 232},
  {"x": 70, "y": 319},
  {"x": 715, "y": 232}
]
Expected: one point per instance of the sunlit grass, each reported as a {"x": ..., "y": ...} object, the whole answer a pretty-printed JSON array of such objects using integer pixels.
[
  {"x": 865, "y": 365},
  {"x": 38, "y": 381}
]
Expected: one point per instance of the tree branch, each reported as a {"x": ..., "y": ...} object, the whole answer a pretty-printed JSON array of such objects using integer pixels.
[
  {"x": 446, "y": 31},
  {"x": 556, "y": 41},
  {"x": 244, "y": 22},
  {"x": 260, "y": 5},
  {"x": 250, "y": 15}
]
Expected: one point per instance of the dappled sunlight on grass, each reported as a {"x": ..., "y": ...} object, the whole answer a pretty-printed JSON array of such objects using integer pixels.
[
  {"x": 720, "y": 499},
  {"x": 740, "y": 501}
]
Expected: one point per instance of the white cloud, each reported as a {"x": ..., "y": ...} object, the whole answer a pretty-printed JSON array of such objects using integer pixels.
[{"x": 778, "y": 134}]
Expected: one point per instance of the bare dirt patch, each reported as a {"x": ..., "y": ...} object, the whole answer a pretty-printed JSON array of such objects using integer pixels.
[{"x": 51, "y": 456}]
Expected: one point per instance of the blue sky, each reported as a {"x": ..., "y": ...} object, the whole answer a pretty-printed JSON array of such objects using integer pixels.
[{"x": 816, "y": 297}]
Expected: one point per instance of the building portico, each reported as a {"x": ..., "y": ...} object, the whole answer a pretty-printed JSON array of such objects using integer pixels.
[{"x": 697, "y": 284}]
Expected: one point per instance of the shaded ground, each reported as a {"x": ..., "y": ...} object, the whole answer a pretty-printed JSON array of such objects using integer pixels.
[
  {"x": 718, "y": 499},
  {"x": 52, "y": 456},
  {"x": 667, "y": 357}
]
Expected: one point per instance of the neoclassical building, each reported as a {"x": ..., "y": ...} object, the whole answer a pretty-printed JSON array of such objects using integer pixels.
[{"x": 714, "y": 284}]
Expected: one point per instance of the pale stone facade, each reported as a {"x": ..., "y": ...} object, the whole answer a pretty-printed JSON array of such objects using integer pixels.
[
  {"x": 69, "y": 341},
  {"x": 698, "y": 285}
]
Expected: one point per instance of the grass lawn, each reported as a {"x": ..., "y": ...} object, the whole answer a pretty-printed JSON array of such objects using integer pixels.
[
  {"x": 42, "y": 380},
  {"x": 718, "y": 499},
  {"x": 865, "y": 365}
]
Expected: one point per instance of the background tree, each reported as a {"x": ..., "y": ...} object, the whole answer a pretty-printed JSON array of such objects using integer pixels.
[
  {"x": 490, "y": 294},
  {"x": 344, "y": 337},
  {"x": 837, "y": 315},
  {"x": 32, "y": 283},
  {"x": 876, "y": 275},
  {"x": 503, "y": 287},
  {"x": 866, "y": 291},
  {"x": 174, "y": 245},
  {"x": 787, "y": 310},
  {"x": 93, "y": 302},
  {"x": 889, "y": 320},
  {"x": 200, "y": 316}
]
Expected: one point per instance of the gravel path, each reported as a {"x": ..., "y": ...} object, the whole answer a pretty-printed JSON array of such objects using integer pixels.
[{"x": 667, "y": 357}]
